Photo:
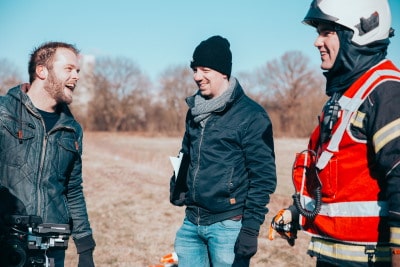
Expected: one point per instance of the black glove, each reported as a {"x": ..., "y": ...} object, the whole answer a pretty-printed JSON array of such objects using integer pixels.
[
  {"x": 246, "y": 243},
  {"x": 86, "y": 259},
  {"x": 285, "y": 223},
  {"x": 241, "y": 262},
  {"x": 85, "y": 247}
]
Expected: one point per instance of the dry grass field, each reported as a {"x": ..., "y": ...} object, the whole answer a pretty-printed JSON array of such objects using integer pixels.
[{"x": 126, "y": 184}]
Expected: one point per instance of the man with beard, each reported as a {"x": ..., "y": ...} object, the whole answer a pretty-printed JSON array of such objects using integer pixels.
[{"x": 41, "y": 147}]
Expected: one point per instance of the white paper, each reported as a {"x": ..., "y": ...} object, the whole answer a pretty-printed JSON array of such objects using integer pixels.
[{"x": 176, "y": 163}]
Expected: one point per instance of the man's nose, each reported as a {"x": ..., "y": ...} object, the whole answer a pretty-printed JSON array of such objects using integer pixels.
[{"x": 197, "y": 76}]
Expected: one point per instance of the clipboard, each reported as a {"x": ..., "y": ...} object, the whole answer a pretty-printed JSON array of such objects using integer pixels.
[{"x": 178, "y": 186}]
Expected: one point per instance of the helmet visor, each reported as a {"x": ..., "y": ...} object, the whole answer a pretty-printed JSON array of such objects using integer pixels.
[{"x": 315, "y": 15}]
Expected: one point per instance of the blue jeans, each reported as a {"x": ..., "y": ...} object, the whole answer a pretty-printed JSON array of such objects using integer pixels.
[{"x": 200, "y": 245}]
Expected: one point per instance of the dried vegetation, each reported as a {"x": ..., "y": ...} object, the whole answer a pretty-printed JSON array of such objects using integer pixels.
[{"x": 126, "y": 183}]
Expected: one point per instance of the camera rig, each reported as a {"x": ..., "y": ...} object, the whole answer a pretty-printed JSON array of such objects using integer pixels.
[{"x": 25, "y": 240}]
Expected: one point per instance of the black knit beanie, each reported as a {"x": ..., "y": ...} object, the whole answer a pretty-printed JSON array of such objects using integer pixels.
[{"x": 213, "y": 53}]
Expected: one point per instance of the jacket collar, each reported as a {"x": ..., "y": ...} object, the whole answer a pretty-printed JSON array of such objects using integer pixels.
[{"x": 19, "y": 93}]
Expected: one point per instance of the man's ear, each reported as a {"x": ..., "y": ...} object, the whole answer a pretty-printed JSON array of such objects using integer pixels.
[{"x": 41, "y": 72}]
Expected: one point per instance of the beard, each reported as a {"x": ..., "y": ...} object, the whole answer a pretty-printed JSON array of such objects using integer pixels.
[{"x": 56, "y": 89}]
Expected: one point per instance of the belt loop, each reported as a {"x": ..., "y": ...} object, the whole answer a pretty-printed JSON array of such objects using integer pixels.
[{"x": 370, "y": 251}]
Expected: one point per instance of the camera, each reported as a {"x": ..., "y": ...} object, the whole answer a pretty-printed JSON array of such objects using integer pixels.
[{"x": 25, "y": 240}]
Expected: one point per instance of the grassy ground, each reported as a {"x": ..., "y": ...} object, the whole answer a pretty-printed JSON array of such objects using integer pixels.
[{"x": 126, "y": 184}]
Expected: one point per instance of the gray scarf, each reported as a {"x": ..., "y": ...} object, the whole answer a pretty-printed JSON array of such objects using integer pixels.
[{"x": 204, "y": 107}]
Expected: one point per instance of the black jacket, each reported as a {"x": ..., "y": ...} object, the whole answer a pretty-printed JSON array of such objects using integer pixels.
[
  {"x": 43, "y": 170},
  {"x": 231, "y": 163}
]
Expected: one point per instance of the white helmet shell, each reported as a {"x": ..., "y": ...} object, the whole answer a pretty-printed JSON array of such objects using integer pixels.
[{"x": 370, "y": 20}]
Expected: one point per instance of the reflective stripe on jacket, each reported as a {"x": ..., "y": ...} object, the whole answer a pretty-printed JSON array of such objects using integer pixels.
[
  {"x": 348, "y": 252},
  {"x": 353, "y": 207}
]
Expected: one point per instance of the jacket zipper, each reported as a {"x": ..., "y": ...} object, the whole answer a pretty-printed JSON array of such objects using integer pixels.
[
  {"x": 40, "y": 167},
  {"x": 42, "y": 157},
  {"x": 197, "y": 170}
]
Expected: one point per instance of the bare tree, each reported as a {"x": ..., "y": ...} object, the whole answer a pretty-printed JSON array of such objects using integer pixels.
[
  {"x": 9, "y": 75},
  {"x": 121, "y": 94},
  {"x": 85, "y": 91},
  {"x": 249, "y": 82},
  {"x": 118, "y": 96},
  {"x": 289, "y": 89},
  {"x": 176, "y": 83}
]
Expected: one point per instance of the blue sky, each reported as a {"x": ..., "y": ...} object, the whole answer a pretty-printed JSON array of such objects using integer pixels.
[{"x": 157, "y": 34}]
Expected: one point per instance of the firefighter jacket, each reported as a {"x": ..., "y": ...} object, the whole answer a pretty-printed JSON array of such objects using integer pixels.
[{"x": 355, "y": 166}]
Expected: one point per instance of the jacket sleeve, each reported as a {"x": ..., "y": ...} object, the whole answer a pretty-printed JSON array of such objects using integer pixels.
[
  {"x": 76, "y": 200},
  {"x": 383, "y": 124},
  {"x": 259, "y": 153}
]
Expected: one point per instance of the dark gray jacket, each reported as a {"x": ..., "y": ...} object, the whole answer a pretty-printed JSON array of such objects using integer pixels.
[
  {"x": 43, "y": 170},
  {"x": 232, "y": 163}
]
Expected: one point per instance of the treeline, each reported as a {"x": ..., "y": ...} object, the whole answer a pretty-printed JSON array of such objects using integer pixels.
[{"x": 113, "y": 94}]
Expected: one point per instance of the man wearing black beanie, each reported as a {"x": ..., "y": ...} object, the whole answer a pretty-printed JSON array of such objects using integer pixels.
[
  {"x": 228, "y": 169},
  {"x": 214, "y": 53}
]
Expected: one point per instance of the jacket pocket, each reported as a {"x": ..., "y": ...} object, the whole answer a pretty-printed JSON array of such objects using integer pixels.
[
  {"x": 67, "y": 213},
  {"x": 57, "y": 210},
  {"x": 68, "y": 153},
  {"x": 329, "y": 178},
  {"x": 15, "y": 140}
]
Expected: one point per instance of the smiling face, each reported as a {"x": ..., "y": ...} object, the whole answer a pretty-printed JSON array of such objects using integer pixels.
[
  {"x": 328, "y": 44},
  {"x": 211, "y": 83},
  {"x": 62, "y": 76}
]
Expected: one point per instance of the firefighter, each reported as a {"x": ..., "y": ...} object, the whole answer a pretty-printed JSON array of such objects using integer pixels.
[{"x": 347, "y": 182}]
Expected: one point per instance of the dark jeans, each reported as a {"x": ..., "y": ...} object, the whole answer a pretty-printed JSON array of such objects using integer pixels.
[{"x": 58, "y": 256}]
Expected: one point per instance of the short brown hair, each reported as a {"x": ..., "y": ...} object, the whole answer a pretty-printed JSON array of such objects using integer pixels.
[{"x": 44, "y": 54}]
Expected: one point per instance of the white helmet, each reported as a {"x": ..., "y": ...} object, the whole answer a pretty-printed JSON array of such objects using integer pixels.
[{"x": 370, "y": 20}]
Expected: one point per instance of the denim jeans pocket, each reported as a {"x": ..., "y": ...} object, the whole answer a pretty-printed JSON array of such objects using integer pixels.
[{"x": 231, "y": 224}]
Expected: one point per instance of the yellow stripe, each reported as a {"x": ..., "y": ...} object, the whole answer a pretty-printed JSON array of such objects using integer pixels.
[
  {"x": 346, "y": 252},
  {"x": 357, "y": 121},
  {"x": 386, "y": 134},
  {"x": 395, "y": 235}
]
